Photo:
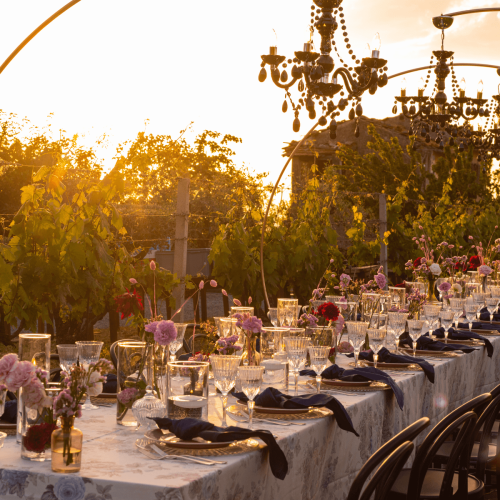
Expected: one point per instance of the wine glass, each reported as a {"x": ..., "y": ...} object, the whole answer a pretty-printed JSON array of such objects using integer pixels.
[
  {"x": 377, "y": 341},
  {"x": 397, "y": 322},
  {"x": 286, "y": 311},
  {"x": 479, "y": 299},
  {"x": 415, "y": 330},
  {"x": 225, "y": 369},
  {"x": 68, "y": 356},
  {"x": 470, "y": 312},
  {"x": 88, "y": 352},
  {"x": 251, "y": 380},
  {"x": 457, "y": 306},
  {"x": 319, "y": 360},
  {"x": 176, "y": 344},
  {"x": 272, "y": 314},
  {"x": 431, "y": 313},
  {"x": 491, "y": 305},
  {"x": 271, "y": 340},
  {"x": 296, "y": 349},
  {"x": 357, "y": 336},
  {"x": 446, "y": 322}
]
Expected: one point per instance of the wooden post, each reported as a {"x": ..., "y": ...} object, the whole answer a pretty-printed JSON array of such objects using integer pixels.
[
  {"x": 180, "y": 249},
  {"x": 382, "y": 211}
]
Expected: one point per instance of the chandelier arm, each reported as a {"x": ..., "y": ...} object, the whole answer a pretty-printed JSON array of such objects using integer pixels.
[
  {"x": 285, "y": 86},
  {"x": 34, "y": 33},
  {"x": 472, "y": 11},
  {"x": 264, "y": 222},
  {"x": 433, "y": 66},
  {"x": 346, "y": 76}
]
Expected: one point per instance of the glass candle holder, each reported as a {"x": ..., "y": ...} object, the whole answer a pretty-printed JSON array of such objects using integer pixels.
[
  {"x": 271, "y": 341},
  {"x": 287, "y": 312},
  {"x": 321, "y": 336},
  {"x": 35, "y": 348},
  {"x": 187, "y": 389},
  {"x": 131, "y": 371}
]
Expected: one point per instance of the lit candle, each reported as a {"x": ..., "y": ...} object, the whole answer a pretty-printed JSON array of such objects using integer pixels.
[
  {"x": 480, "y": 89},
  {"x": 273, "y": 50},
  {"x": 403, "y": 87},
  {"x": 376, "y": 44},
  {"x": 463, "y": 86},
  {"x": 421, "y": 87}
]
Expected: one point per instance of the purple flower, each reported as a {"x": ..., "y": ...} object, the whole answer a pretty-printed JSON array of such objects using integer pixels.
[
  {"x": 151, "y": 327},
  {"x": 380, "y": 280},
  {"x": 166, "y": 332},
  {"x": 252, "y": 324},
  {"x": 444, "y": 287}
]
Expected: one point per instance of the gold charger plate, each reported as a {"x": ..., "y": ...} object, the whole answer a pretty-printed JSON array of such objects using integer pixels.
[
  {"x": 435, "y": 354},
  {"x": 473, "y": 342},
  {"x": 485, "y": 333},
  {"x": 311, "y": 414},
  {"x": 345, "y": 383},
  {"x": 276, "y": 411},
  {"x": 373, "y": 387},
  {"x": 234, "y": 448},
  {"x": 172, "y": 441},
  {"x": 392, "y": 366}
]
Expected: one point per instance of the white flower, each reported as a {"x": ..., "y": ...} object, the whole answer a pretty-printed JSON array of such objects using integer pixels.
[
  {"x": 456, "y": 288},
  {"x": 435, "y": 269},
  {"x": 95, "y": 387}
]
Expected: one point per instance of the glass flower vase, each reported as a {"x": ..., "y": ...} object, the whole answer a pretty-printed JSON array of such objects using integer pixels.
[
  {"x": 431, "y": 294},
  {"x": 36, "y": 433},
  {"x": 66, "y": 445},
  {"x": 3, "y": 397},
  {"x": 251, "y": 357}
]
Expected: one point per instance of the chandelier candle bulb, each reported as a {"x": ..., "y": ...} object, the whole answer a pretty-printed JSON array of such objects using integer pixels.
[
  {"x": 376, "y": 44},
  {"x": 273, "y": 50},
  {"x": 403, "y": 87},
  {"x": 480, "y": 89},
  {"x": 307, "y": 47},
  {"x": 463, "y": 86}
]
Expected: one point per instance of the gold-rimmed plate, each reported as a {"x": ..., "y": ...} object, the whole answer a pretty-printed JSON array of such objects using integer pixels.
[
  {"x": 389, "y": 366},
  {"x": 174, "y": 442},
  {"x": 276, "y": 411},
  {"x": 428, "y": 354},
  {"x": 345, "y": 383}
]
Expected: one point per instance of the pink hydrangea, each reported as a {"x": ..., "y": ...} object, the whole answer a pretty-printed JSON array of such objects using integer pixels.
[
  {"x": 34, "y": 395},
  {"x": 20, "y": 376},
  {"x": 166, "y": 332},
  {"x": 128, "y": 396},
  {"x": 7, "y": 364}
]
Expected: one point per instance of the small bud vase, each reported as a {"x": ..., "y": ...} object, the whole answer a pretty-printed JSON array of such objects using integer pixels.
[{"x": 67, "y": 447}]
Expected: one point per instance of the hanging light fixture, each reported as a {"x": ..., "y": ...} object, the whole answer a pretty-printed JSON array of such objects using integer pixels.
[{"x": 314, "y": 70}]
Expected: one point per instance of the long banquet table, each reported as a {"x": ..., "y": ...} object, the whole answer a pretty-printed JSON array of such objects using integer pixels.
[{"x": 323, "y": 460}]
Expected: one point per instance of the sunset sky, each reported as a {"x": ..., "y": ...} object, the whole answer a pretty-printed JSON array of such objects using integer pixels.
[{"x": 106, "y": 66}]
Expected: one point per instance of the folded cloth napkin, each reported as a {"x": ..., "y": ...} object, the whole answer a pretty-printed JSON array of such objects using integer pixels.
[
  {"x": 477, "y": 325},
  {"x": 457, "y": 335},
  {"x": 190, "y": 428},
  {"x": 485, "y": 315},
  {"x": 110, "y": 386},
  {"x": 385, "y": 356},
  {"x": 335, "y": 372},
  {"x": 427, "y": 344},
  {"x": 10, "y": 413},
  {"x": 272, "y": 398}
]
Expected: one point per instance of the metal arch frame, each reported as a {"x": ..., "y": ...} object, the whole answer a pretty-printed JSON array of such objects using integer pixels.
[
  {"x": 473, "y": 11},
  {"x": 34, "y": 33},
  {"x": 454, "y": 64}
]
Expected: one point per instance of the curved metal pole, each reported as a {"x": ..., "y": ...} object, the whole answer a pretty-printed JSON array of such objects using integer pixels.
[
  {"x": 454, "y": 64},
  {"x": 472, "y": 11},
  {"x": 267, "y": 212},
  {"x": 34, "y": 33}
]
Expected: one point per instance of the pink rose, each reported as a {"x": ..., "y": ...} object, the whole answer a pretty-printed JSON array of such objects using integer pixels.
[
  {"x": 7, "y": 364},
  {"x": 20, "y": 376}
]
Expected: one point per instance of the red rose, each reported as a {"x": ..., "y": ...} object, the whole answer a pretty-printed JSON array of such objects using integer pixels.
[
  {"x": 474, "y": 262},
  {"x": 329, "y": 311},
  {"x": 401, "y": 285},
  {"x": 129, "y": 303},
  {"x": 38, "y": 437},
  {"x": 417, "y": 262}
]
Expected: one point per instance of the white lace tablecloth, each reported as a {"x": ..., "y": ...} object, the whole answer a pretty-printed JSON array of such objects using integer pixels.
[{"x": 323, "y": 460}]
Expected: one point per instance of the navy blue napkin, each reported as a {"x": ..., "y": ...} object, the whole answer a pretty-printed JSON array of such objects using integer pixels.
[
  {"x": 456, "y": 335},
  {"x": 335, "y": 372},
  {"x": 272, "y": 398},
  {"x": 10, "y": 413},
  {"x": 477, "y": 325},
  {"x": 485, "y": 315},
  {"x": 110, "y": 386},
  {"x": 426, "y": 344},
  {"x": 189, "y": 428}
]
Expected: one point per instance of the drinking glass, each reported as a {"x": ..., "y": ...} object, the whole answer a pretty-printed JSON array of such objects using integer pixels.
[
  {"x": 176, "y": 344},
  {"x": 88, "y": 352},
  {"x": 457, "y": 306},
  {"x": 227, "y": 327},
  {"x": 370, "y": 306},
  {"x": 446, "y": 322},
  {"x": 377, "y": 341},
  {"x": 286, "y": 311},
  {"x": 471, "y": 288},
  {"x": 68, "y": 356},
  {"x": 470, "y": 312},
  {"x": 431, "y": 313},
  {"x": 491, "y": 305},
  {"x": 415, "y": 330},
  {"x": 397, "y": 296},
  {"x": 296, "y": 349},
  {"x": 479, "y": 299},
  {"x": 272, "y": 314},
  {"x": 357, "y": 336},
  {"x": 251, "y": 380},
  {"x": 391, "y": 340},
  {"x": 296, "y": 332},
  {"x": 225, "y": 369},
  {"x": 242, "y": 309},
  {"x": 271, "y": 340},
  {"x": 397, "y": 322},
  {"x": 217, "y": 323},
  {"x": 319, "y": 360}
]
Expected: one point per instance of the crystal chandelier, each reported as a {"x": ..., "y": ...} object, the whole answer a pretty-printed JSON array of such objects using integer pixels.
[{"x": 314, "y": 72}]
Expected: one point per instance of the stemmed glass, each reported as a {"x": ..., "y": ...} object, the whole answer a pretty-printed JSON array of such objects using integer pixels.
[
  {"x": 251, "y": 380},
  {"x": 377, "y": 341},
  {"x": 227, "y": 327},
  {"x": 431, "y": 314},
  {"x": 491, "y": 305},
  {"x": 415, "y": 330},
  {"x": 470, "y": 312},
  {"x": 457, "y": 306},
  {"x": 319, "y": 360},
  {"x": 357, "y": 336},
  {"x": 272, "y": 314},
  {"x": 296, "y": 349},
  {"x": 68, "y": 356},
  {"x": 88, "y": 352},
  {"x": 176, "y": 344},
  {"x": 446, "y": 322},
  {"x": 225, "y": 369},
  {"x": 397, "y": 322},
  {"x": 479, "y": 300}
]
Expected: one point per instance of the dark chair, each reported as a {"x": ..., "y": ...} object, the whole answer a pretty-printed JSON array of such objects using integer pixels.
[
  {"x": 55, "y": 373},
  {"x": 382, "y": 481},
  {"x": 408, "y": 434}
]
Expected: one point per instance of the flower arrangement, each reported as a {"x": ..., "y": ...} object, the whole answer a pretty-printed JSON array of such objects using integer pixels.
[
  {"x": 415, "y": 301},
  {"x": 227, "y": 345},
  {"x": 251, "y": 327}
]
